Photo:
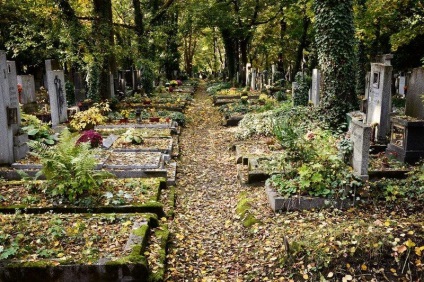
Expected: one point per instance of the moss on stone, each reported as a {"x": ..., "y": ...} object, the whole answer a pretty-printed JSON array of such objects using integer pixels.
[{"x": 162, "y": 233}]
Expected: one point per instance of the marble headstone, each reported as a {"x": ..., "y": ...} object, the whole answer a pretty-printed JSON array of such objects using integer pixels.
[
  {"x": 379, "y": 98},
  {"x": 57, "y": 96},
  {"x": 315, "y": 90},
  {"x": 253, "y": 81},
  {"x": 248, "y": 66}
]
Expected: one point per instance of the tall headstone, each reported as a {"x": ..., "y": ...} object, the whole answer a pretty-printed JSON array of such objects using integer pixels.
[
  {"x": 253, "y": 81},
  {"x": 315, "y": 90},
  {"x": 6, "y": 136},
  {"x": 414, "y": 100},
  {"x": 294, "y": 87},
  {"x": 57, "y": 96},
  {"x": 13, "y": 93},
  {"x": 379, "y": 97},
  {"x": 50, "y": 65},
  {"x": 273, "y": 70},
  {"x": 112, "y": 85},
  {"x": 248, "y": 66},
  {"x": 27, "y": 94},
  {"x": 12, "y": 144},
  {"x": 402, "y": 83}
]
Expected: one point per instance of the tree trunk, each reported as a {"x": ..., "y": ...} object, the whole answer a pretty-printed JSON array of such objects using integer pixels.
[
  {"x": 302, "y": 45},
  {"x": 230, "y": 53},
  {"x": 104, "y": 42}
]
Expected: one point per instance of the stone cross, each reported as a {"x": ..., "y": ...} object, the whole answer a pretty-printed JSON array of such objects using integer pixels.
[{"x": 57, "y": 96}]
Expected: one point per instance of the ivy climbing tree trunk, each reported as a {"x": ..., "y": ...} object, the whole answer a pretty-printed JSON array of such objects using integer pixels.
[{"x": 335, "y": 43}]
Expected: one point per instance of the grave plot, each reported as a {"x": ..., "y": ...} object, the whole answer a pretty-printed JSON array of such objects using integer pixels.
[
  {"x": 280, "y": 203},
  {"x": 112, "y": 195},
  {"x": 246, "y": 151},
  {"x": 146, "y": 132},
  {"x": 153, "y": 129},
  {"x": 162, "y": 145},
  {"x": 234, "y": 111},
  {"x": 77, "y": 247}
]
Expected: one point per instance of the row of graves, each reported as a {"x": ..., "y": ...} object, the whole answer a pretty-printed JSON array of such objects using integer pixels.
[
  {"x": 263, "y": 91},
  {"x": 83, "y": 197},
  {"x": 386, "y": 143}
]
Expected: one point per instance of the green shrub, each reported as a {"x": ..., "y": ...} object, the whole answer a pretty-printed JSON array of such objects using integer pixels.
[{"x": 69, "y": 167}]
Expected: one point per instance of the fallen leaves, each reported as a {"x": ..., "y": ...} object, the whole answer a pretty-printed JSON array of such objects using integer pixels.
[{"x": 209, "y": 242}]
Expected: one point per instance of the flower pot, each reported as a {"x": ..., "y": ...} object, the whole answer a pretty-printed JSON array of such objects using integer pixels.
[
  {"x": 154, "y": 119},
  {"x": 123, "y": 120}
]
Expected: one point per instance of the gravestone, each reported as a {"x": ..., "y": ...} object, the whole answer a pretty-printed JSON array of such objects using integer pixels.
[
  {"x": 112, "y": 85},
  {"x": 13, "y": 145},
  {"x": 265, "y": 77},
  {"x": 6, "y": 136},
  {"x": 57, "y": 97},
  {"x": 13, "y": 93},
  {"x": 360, "y": 135},
  {"x": 379, "y": 97},
  {"x": 414, "y": 100},
  {"x": 50, "y": 65},
  {"x": 248, "y": 66},
  {"x": 273, "y": 70},
  {"x": 253, "y": 80},
  {"x": 402, "y": 83},
  {"x": 315, "y": 90},
  {"x": 27, "y": 94}
]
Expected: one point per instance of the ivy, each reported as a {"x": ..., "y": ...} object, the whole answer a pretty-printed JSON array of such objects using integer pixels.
[
  {"x": 335, "y": 42},
  {"x": 301, "y": 91}
]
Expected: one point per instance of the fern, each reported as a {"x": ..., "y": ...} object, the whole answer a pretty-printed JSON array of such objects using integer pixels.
[{"x": 69, "y": 167}]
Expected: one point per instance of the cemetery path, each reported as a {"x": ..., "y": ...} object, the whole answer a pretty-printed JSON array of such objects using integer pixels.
[{"x": 209, "y": 242}]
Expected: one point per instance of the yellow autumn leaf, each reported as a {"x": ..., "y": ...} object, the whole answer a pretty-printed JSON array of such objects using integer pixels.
[
  {"x": 330, "y": 274},
  {"x": 305, "y": 276},
  {"x": 364, "y": 267},
  {"x": 418, "y": 250},
  {"x": 409, "y": 243}
]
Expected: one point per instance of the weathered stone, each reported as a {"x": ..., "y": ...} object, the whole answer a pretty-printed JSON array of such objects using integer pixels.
[
  {"x": 57, "y": 95},
  {"x": 360, "y": 136},
  {"x": 315, "y": 89},
  {"x": 414, "y": 99},
  {"x": 27, "y": 94},
  {"x": 379, "y": 100}
]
